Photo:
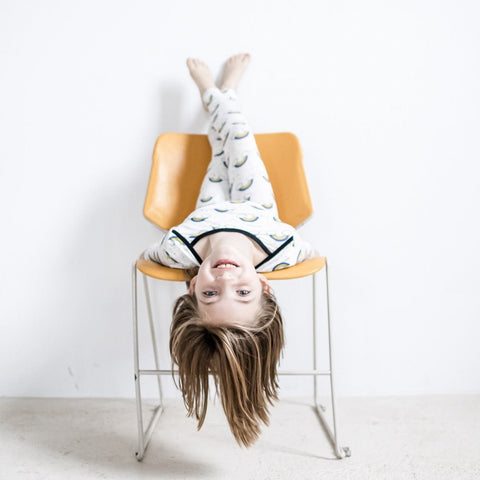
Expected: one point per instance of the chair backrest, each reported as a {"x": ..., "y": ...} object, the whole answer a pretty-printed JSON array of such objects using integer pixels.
[{"x": 180, "y": 161}]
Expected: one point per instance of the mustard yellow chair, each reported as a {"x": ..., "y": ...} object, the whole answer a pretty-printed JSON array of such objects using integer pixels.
[{"x": 179, "y": 165}]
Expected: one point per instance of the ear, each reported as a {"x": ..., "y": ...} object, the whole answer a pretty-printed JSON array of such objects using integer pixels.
[
  {"x": 265, "y": 284},
  {"x": 193, "y": 282}
]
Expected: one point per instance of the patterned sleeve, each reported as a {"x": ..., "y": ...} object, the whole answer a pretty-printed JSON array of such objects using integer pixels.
[
  {"x": 306, "y": 250},
  {"x": 156, "y": 252},
  {"x": 171, "y": 252}
]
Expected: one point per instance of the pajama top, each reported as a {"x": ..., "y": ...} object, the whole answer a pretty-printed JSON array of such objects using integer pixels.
[{"x": 281, "y": 242}]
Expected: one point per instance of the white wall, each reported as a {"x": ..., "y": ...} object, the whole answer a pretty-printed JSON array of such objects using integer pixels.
[{"x": 384, "y": 97}]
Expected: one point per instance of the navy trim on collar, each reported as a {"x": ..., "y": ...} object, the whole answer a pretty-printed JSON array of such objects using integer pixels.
[
  {"x": 238, "y": 230},
  {"x": 189, "y": 246},
  {"x": 274, "y": 253},
  {"x": 269, "y": 256}
]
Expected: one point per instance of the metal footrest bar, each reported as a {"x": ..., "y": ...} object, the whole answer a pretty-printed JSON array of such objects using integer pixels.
[
  {"x": 313, "y": 373},
  {"x": 340, "y": 452},
  {"x": 158, "y": 372},
  {"x": 286, "y": 372}
]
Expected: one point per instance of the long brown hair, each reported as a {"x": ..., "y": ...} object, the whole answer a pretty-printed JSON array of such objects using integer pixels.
[{"x": 242, "y": 359}]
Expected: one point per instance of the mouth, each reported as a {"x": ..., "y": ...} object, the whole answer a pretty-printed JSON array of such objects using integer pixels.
[{"x": 225, "y": 263}]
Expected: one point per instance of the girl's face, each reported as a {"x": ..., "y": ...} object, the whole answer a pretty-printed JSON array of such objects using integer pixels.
[{"x": 228, "y": 289}]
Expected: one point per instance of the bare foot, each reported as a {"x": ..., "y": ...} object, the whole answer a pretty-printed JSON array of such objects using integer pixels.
[
  {"x": 201, "y": 74},
  {"x": 233, "y": 70}
]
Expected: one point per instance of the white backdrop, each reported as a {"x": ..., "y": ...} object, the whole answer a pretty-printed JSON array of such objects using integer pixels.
[{"x": 384, "y": 98}]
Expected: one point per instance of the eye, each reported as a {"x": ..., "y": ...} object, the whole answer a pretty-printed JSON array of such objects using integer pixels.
[
  {"x": 243, "y": 293},
  {"x": 209, "y": 293}
]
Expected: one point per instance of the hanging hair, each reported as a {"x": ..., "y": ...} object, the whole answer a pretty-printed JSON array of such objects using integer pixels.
[{"x": 241, "y": 358}]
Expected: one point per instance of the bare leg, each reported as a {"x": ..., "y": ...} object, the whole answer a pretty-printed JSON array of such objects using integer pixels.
[
  {"x": 233, "y": 71},
  {"x": 234, "y": 68},
  {"x": 201, "y": 74}
]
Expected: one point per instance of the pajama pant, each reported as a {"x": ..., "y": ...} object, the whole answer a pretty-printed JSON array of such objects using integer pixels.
[{"x": 236, "y": 172}]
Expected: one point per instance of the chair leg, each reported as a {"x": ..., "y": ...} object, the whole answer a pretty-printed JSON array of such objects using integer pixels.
[
  {"x": 340, "y": 452},
  {"x": 143, "y": 436},
  {"x": 315, "y": 334},
  {"x": 138, "y": 394},
  {"x": 153, "y": 336}
]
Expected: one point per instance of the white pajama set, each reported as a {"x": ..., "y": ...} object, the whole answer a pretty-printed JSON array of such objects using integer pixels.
[{"x": 235, "y": 196}]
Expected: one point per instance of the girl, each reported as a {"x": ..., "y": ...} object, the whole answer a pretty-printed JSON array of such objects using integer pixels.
[{"x": 229, "y": 324}]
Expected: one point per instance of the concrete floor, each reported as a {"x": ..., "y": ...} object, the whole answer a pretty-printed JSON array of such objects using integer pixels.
[{"x": 390, "y": 438}]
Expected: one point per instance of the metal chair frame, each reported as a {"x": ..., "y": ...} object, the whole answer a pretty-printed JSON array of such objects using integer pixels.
[{"x": 144, "y": 435}]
